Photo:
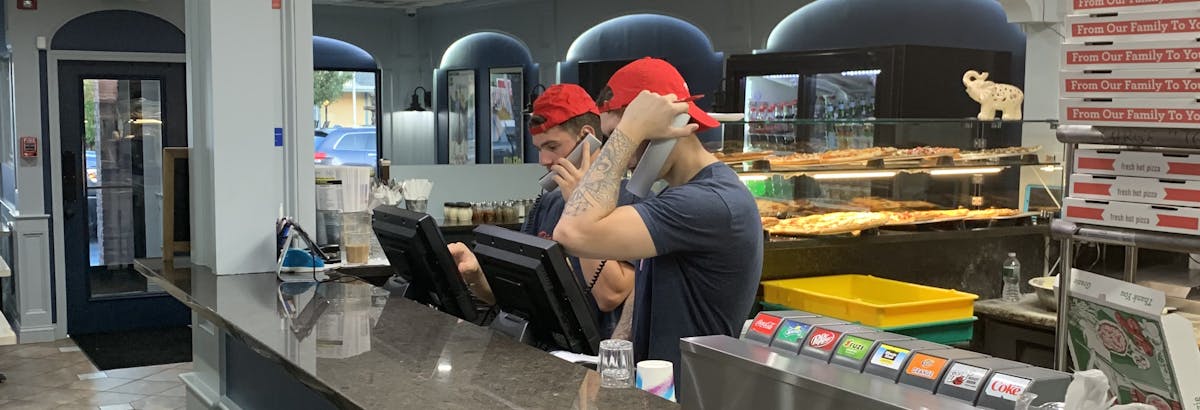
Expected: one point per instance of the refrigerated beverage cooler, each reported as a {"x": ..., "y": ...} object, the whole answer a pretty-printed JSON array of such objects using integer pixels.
[{"x": 778, "y": 92}]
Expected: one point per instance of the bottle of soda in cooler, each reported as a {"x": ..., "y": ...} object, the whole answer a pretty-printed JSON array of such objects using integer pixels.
[
  {"x": 792, "y": 111},
  {"x": 869, "y": 127},
  {"x": 751, "y": 127},
  {"x": 830, "y": 126}
]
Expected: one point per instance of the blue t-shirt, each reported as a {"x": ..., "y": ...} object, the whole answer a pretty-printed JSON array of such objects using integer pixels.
[
  {"x": 710, "y": 244},
  {"x": 542, "y": 219}
]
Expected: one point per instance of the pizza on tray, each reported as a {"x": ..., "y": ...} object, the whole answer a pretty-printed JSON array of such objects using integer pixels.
[
  {"x": 925, "y": 152},
  {"x": 883, "y": 204},
  {"x": 992, "y": 213},
  {"x": 828, "y": 224},
  {"x": 796, "y": 159},
  {"x": 768, "y": 207},
  {"x": 914, "y": 217},
  {"x": 1000, "y": 152},
  {"x": 769, "y": 221},
  {"x": 923, "y": 216},
  {"x": 855, "y": 154},
  {"x": 742, "y": 156}
]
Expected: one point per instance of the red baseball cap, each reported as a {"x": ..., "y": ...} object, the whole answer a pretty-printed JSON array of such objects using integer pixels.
[
  {"x": 659, "y": 77},
  {"x": 561, "y": 102}
]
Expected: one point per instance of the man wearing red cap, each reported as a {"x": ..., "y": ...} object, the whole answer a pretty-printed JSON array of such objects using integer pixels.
[
  {"x": 700, "y": 239},
  {"x": 562, "y": 117}
]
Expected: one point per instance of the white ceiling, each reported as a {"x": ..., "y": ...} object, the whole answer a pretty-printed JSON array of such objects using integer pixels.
[{"x": 395, "y": 4}]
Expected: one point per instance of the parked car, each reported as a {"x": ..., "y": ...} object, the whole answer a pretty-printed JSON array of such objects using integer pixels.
[
  {"x": 346, "y": 146},
  {"x": 318, "y": 139},
  {"x": 92, "y": 175}
]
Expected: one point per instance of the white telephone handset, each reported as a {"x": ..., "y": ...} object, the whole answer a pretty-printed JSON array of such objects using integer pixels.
[{"x": 653, "y": 161}]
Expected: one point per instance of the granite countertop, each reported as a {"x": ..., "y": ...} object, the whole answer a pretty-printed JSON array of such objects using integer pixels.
[
  {"x": 400, "y": 353},
  {"x": 1026, "y": 311}
]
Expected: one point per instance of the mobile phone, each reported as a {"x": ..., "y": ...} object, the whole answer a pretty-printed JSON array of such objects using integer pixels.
[
  {"x": 576, "y": 158},
  {"x": 653, "y": 161}
]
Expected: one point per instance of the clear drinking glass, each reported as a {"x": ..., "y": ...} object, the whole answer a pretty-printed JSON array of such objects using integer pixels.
[
  {"x": 356, "y": 247},
  {"x": 616, "y": 364}
]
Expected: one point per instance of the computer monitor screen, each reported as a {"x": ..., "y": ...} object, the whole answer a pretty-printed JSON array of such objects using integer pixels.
[
  {"x": 531, "y": 279},
  {"x": 417, "y": 252}
]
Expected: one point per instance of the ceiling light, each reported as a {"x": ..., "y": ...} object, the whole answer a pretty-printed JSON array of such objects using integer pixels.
[
  {"x": 855, "y": 175},
  {"x": 966, "y": 171},
  {"x": 861, "y": 73}
]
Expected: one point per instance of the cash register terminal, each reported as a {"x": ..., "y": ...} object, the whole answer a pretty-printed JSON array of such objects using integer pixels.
[
  {"x": 541, "y": 299},
  {"x": 422, "y": 267}
]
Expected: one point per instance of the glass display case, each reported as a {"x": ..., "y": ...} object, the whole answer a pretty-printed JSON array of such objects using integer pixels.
[{"x": 938, "y": 175}]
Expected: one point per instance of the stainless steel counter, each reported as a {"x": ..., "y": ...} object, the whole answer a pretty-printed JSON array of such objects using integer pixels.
[{"x": 721, "y": 372}]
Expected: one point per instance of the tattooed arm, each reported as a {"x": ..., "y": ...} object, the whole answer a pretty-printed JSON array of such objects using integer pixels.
[{"x": 592, "y": 226}]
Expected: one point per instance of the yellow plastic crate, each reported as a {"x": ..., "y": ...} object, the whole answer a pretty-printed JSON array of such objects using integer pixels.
[{"x": 870, "y": 300}]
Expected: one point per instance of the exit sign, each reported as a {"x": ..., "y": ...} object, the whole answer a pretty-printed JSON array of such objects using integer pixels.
[{"x": 26, "y": 4}]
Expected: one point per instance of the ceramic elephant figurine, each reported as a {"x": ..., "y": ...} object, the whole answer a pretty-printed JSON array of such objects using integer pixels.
[{"x": 992, "y": 97}]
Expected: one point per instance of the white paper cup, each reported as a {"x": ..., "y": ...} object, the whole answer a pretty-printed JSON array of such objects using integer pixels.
[{"x": 657, "y": 377}]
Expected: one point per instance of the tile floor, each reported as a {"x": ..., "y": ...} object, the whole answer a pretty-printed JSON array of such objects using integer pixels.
[{"x": 57, "y": 375}]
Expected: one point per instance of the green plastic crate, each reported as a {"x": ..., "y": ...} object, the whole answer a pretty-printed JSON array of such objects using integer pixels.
[{"x": 948, "y": 332}]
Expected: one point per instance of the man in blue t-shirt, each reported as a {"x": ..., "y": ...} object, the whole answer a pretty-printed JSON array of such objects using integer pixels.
[
  {"x": 562, "y": 117},
  {"x": 701, "y": 238}
]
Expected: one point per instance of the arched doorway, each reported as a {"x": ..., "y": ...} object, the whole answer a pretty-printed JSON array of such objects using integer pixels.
[
  {"x": 480, "y": 90},
  {"x": 117, "y": 91},
  {"x": 345, "y": 104}
]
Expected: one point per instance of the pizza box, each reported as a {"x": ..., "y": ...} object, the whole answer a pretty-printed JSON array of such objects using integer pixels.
[
  {"x": 1106, "y": 6},
  {"x": 1171, "y": 83},
  {"x": 1121, "y": 26},
  {"x": 1132, "y": 112},
  {"x": 1118, "y": 327},
  {"x": 1135, "y": 216},
  {"x": 1131, "y": 55},
  {"x": 1132, "y": 189},
  {"x": 1133, "y": 163}
]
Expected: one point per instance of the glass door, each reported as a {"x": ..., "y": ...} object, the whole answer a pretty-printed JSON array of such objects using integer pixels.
[{"x": 115, "y": 121}]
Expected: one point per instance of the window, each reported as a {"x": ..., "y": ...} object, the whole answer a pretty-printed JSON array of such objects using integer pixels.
[
  {"x": 8, "y": 139},
  {"x": 360, "y": 141}
]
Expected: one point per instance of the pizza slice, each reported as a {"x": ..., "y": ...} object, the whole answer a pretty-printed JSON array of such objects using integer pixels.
[
  {"x": 992, "y": 213},
  {"x": 795, "y": 159},
  {"x": 829, "y": 224},
  {"x": 742, "y": 156},
  {"x": 769, "y": 221},
  {"x": 926, "y": 152}
]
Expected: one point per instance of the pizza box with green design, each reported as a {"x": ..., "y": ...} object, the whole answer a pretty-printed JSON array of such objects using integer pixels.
[{"x": 1118, "y": 328}]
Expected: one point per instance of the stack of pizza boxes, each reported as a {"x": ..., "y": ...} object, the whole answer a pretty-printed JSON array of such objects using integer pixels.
[{"x": 1133, "y": 63}]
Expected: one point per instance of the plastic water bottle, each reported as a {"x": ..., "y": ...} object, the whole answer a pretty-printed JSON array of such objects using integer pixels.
[{"x": 1011, "y": 274}]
